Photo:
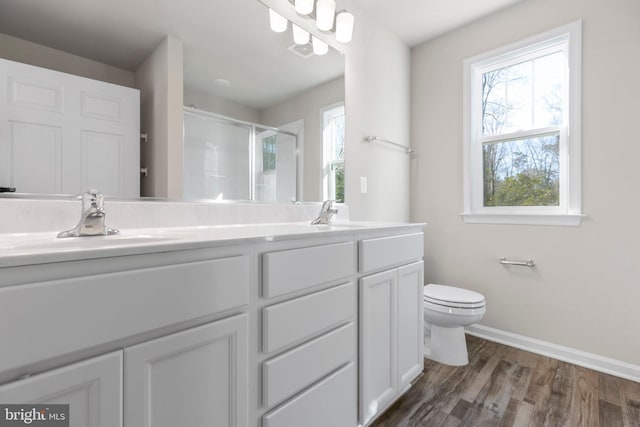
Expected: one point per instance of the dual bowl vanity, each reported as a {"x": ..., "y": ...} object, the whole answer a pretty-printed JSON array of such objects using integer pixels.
[{"x": 274, "y": 325}]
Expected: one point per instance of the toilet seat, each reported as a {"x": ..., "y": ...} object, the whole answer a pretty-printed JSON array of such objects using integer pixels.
[{"x": 449, "y": 296}]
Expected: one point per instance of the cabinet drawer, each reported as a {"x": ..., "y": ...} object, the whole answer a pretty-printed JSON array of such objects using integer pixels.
[
  {"x": 303, "y": 317},
  {"x": 332, "y": 402},
  {"x": 375, "y": 254},
  {"x": 47, "y": 319},
  {"x": 287, "y": 374},
  {"x": 297, "y": 269}
]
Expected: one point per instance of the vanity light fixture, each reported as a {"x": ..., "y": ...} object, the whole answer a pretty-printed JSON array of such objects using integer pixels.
[
  {"x": 277, "y": 22},
  {"x": 319, "y": 47},
  {"x": 300, "y": 36},
  {"x": 325, "y": 14},
  {"x": 304, "y": 7},
  {"x": 344, "y": 26}
]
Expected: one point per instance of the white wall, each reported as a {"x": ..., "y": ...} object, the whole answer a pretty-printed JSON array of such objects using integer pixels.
[
  {"x": 585, "y": 290},
  {"x": 30, "y": 53},
  {"x": 306, "y": 106},
  {"x": 218, "y": 105},
  {"x": 377, "y": 103},
  {"x": 160, "y": 80}
]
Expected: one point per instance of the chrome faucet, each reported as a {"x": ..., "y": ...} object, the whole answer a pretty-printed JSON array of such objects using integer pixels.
[
  {"x": 327, "y": 211},
  {"x": 92, "y": 219}
]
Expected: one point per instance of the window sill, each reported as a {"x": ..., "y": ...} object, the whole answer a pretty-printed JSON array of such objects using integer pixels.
[{"x": 567, "y": 220}]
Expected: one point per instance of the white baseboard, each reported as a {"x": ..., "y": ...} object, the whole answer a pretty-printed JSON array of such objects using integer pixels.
[{"x": 577, "y": 357}]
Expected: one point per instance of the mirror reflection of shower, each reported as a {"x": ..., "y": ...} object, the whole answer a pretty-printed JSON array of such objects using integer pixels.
[{"x": 229, "y": 159}]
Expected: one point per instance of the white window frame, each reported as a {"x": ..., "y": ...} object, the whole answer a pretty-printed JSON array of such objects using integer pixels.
[{"x": 569, "y": 212}]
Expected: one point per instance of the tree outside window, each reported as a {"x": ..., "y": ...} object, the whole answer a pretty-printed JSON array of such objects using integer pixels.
[
  {"x": 333, "y": 133},
  {"x": 523, "y": 97}
]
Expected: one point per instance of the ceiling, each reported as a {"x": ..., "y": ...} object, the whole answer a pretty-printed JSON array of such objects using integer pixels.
[
  {"x": 416, "y": 21},
  {"x": 228, "y": 39}
]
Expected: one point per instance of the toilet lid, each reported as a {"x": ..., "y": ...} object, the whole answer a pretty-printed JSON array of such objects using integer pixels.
[{"x": 453, "y": 297}]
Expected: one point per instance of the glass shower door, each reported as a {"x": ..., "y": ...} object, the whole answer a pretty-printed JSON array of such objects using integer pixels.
[
  {"x": 216, "y": 158},
  {"x": 275, "y": 163}
]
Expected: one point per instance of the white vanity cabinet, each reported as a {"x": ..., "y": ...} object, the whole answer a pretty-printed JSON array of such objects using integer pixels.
[
  {"x": 391, "y": 313},
  {"x": 318, "y": 330},
  {"x": 175, "y": 326},
  {"x": 92, "y": 388},
  {"x": 309, "y": 336},
  {"x": 193, "y": 378}
]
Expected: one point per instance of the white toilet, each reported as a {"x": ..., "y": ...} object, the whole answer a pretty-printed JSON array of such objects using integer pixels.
[{"x": 448, "y": 310}]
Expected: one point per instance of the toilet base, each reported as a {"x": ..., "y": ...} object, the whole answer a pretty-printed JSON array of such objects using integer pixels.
[{"x": 448, "y": 346}]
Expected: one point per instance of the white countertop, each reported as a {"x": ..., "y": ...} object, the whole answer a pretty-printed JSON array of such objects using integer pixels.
[{"x": 43, "y": 247}]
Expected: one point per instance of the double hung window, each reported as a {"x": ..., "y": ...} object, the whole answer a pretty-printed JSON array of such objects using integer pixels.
[{"x": 522, "y": 132}]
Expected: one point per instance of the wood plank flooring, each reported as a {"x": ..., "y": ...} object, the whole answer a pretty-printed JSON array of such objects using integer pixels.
[{"x": 503, "y": 386}]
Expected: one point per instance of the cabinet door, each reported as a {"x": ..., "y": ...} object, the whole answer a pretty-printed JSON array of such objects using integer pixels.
[
  {"x": 195, "y": 378},
  {"x": 378, "y": 353},
  {"x": 92, "y": 389},
  {"x": 410, "y": 323},
  {"x": 61, "y": 133}
]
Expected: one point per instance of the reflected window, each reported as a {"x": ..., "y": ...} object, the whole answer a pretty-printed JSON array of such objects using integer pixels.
[
  {"x": 269, "y": 151},
  {"x": 333, "y": 135}
]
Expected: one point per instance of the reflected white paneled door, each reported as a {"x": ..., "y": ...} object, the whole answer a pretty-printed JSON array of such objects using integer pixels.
[
  {"x": 92, "y": 389},
  {"x": 64, "y": 134},
  {"x": 195, "y": 378}
]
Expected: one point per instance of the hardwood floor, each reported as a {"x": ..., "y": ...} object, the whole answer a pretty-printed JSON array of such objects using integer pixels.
[{"x": 503, "y": 386}]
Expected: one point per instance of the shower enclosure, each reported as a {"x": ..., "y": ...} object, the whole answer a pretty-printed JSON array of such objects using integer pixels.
[{"x": 229, "y": 159}]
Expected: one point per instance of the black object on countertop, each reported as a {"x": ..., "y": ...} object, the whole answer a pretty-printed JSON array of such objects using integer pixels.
[{"x": 7, "y": 189}]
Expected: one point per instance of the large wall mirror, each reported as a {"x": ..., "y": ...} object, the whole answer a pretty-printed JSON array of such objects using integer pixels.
[{"x": 241, "y": 80}]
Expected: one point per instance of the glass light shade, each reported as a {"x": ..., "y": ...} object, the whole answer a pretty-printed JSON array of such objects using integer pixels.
[
  {"x": 277, "y": 22},
  {"x": 319, "y": 47},
  {"x": 325, "y": 12},
  {"x": 344, "y": 26},
  {"x": 300, "y": 36},
  {"x": 304, "y": 7}
]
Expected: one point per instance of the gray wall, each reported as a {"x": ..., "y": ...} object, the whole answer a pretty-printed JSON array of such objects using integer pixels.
[
  {"x": 24, "y": 51},
  {"x": 377, "y": 103},
  {"x": 159, "y": 79},
  {"x": 585, "y": 291}
]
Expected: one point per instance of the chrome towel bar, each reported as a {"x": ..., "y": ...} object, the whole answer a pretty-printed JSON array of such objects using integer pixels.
[
  {"x": 528, "y": 263},
  {"x": 408, "y": 150}
]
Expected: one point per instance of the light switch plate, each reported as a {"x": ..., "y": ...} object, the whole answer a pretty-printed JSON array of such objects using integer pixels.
[{"x": 363, "y": 185}]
